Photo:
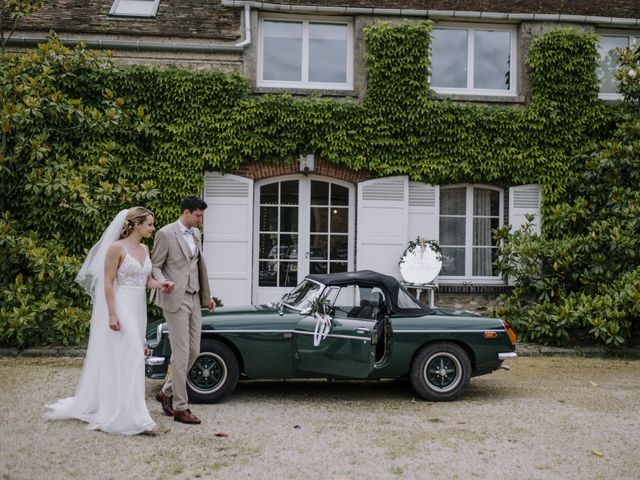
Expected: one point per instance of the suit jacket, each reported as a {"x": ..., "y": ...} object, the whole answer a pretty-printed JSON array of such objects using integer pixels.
[{"x": 171, "y": 259}]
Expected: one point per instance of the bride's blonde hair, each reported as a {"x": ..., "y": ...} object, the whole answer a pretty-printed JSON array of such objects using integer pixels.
[{"x": 135, "y": 216}]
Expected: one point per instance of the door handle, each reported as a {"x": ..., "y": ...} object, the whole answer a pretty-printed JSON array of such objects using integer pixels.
[{"x": 362, "y": 330}]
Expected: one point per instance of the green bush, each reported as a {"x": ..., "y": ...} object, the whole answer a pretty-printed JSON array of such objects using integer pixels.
[{"x": 580, "y": 279}]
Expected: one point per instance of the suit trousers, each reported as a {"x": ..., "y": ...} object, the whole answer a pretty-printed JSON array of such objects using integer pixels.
[{"x": 185, "y": 327}]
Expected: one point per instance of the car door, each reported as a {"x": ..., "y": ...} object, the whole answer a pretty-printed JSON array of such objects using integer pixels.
[{"x": 348, "y": 349}]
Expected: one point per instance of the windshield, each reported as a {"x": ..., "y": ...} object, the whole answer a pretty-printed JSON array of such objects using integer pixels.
[{"x": 301, "y": 296}]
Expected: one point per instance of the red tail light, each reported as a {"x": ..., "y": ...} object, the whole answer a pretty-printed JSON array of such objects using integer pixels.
[{"x": 510, "y": 332}]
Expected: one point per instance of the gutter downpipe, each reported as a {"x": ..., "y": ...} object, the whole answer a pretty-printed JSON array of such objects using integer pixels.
[{"x": 24, "y": 41}]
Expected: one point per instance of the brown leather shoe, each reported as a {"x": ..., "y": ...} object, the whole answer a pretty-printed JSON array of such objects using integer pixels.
[
  {"x": 185, "y": 416},
  {"x": 167, "y": 403}
]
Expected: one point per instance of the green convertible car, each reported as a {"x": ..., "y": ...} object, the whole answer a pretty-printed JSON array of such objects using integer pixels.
[{"x": 356, "y": 325}]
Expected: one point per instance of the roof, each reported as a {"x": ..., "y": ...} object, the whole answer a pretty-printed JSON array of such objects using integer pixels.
[{"x": 217, "y": 20}]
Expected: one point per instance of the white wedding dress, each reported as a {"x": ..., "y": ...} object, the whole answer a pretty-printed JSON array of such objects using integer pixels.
[{"x": 111, "y": 393}]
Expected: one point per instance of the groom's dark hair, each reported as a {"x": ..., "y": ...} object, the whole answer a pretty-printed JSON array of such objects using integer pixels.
[{"x": 193, "y": 203}]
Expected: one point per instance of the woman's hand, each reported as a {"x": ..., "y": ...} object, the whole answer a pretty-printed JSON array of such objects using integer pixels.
[
  {"x": 114, "y": 323},
  {"x": 166, "y": 286}
]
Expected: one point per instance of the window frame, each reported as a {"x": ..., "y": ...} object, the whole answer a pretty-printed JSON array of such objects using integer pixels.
[
  {"x": 470, "y": 65},
  {"x": 468, "y": 277},
  {"x": 633, "y": 37},
  {"x": 118, "y": 4},
  {"x": 306, "y": 84}
]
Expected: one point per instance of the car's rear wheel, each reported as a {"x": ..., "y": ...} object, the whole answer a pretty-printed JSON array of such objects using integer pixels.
[
  {"x": 440, "y": 371},
  {"x": 214, "y": 374}
]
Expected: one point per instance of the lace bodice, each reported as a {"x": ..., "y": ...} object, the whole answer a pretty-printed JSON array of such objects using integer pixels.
[{"x": 131, "y": 273}]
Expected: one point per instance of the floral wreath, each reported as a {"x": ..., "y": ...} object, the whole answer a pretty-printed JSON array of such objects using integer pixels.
[{"x": 421, "y": 243}]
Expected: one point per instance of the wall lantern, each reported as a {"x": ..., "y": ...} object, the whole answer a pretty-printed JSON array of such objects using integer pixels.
[{"x": 306, "y": 162}]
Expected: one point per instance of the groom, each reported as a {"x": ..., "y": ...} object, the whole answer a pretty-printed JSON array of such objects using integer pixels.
[{"x": 177, "y": 256}]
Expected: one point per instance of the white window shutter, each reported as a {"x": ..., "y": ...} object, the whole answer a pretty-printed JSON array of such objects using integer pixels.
[
  {"x": 524, "y": 200},
  {"x": 382, "y": 224},
  {"x": 228, "y": 236},
  {"x": 424, "y": 210}
]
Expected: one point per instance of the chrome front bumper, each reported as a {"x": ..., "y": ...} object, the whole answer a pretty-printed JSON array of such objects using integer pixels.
[
  {"x": 507, "y": 355},
  {"x": 154, "y": 361}
]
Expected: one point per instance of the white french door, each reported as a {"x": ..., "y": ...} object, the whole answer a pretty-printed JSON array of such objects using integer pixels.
[{"x": 302, "y": 225}]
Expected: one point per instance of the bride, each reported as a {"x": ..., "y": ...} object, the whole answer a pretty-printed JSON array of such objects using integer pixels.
[{"x": 110, "y": 395}]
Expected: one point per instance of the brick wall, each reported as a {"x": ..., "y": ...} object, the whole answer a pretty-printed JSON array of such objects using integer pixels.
[{"x": 258, "y": 171}]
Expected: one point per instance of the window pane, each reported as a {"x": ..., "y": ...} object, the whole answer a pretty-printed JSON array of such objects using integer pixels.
[
  {"x": 339, "y": 195},
  {"x": 482, "y": 230},
  {"x": 269, "y": 194},
  {"x": 289, "y": 219},
  {"x": 491, "y": 60},
  {"x": 483, "y": 259},
  {"x": 486, "y": 202},
  {"x": 327, "y": 53},
  {"x": 319, "y": 247},
  {"x": 268, "y": 219},
  {"x": 452, "y": 262},
  {"x": 289, "y": 247},
  {"x": 269, "y": 246},
  {"x": 449, "y": 58},
  {"x": 318, "y": 267},
  {"x": 282, "y": 56},
  {"x": 608, "y": 63},
  {"x": 289, "y": 193},
  {"x": 452, "y": 231},
  {"x": 339, "y": 247},
  {"x": 268, "y": 275},
  {"x": 453, "y": 201},
  {"x": 288, "y": 274},
  {"x": 337, "y": 267},
  {"x": 339, "y": 220},
  {"x": 319, "y": 193},
  {"x": 319, "y": 219}
]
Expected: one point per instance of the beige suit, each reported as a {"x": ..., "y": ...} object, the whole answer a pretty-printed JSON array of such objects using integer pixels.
[{"x": 172, "y": 260}]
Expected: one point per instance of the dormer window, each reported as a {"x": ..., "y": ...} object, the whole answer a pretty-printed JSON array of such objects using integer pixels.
[
  {"x": 305, "y": 53},
  {"x": 134, "y": 8}
]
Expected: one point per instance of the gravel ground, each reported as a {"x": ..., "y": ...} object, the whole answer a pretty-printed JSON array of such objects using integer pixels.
[{"x": 548, "y": 418}]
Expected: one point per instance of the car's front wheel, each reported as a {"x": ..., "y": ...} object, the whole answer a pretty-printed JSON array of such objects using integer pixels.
[
  {"x": 214, "y": 374},
  {"x": 440, "y": 371}
]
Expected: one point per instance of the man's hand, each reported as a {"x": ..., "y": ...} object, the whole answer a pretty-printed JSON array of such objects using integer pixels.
[{"x": 212, "y": 305}]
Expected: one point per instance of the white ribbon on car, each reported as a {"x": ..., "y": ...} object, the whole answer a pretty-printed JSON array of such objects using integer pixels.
[{"x": 323, "y": 325}]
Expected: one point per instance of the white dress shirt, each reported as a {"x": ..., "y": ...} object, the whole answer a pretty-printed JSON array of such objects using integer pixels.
[{"x": 188, "y": 237}]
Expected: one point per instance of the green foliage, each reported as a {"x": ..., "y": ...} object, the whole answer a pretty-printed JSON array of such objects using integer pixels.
[
  {"x": 37, "y": 304},
  {"x": 581, "y": 278},
  {"x": 64, "y": 175},
  {"x": 83, "y": 138}
]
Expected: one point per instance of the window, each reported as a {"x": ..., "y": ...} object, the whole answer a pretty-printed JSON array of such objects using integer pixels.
[
  {"x": 134, "y": 8},
  {"x": 468, "y": 214},
  {"x": 315, "y": 54},
  {"x": 608, "y": 62},
  {"x": 474, "y": 60}
]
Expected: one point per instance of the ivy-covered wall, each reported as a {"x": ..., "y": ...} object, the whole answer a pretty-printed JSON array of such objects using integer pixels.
[
  {"x": 209, "y": 121},
  {"x": 149, "y": 134}
]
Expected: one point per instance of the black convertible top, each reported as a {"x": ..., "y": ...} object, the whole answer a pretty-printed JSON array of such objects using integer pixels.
[{"x": 369, "y": 278}]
